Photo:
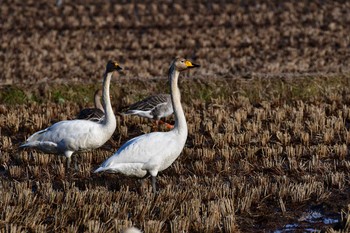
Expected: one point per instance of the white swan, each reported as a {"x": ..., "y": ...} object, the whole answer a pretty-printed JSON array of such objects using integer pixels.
[
  {"x": 66, "y": 137},
  {"x": 96, "y": 113},
  {"x": 154, "y": 152},
  {"x": 153, "y": 107}
]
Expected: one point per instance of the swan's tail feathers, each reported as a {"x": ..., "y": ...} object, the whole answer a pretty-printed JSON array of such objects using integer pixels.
[
  {"x": 29, "y": 145},
  {"x": 24, "y": 145},
  {"x": 35, "y": 137},
  {"x": 100, "y": 169},
  {"x": 46, "y": 147}
]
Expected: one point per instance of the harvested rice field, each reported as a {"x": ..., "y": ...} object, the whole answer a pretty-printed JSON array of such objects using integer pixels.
[{"x": 268, "y": 114}]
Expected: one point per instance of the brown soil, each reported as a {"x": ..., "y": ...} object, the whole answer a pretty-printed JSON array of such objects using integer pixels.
[{"x": 41, "y": 42}]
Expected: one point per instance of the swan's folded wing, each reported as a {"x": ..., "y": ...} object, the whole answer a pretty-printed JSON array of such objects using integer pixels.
[
  {"x": 142, "y": 149},
  {"x": 73, "y": 135}
]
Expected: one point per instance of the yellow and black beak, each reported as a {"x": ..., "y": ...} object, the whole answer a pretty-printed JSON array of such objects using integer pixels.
[
  {"x": 117, "y": 67},
  {"x": 112, "y": 66},
  {"x": 190, "y": 64}
]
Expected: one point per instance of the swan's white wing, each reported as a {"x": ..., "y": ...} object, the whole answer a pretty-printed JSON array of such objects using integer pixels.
[
  {"x": 69, "y": 135},
  {"x": 140, "y": 149},
  {"x": 146, "y": 152}
]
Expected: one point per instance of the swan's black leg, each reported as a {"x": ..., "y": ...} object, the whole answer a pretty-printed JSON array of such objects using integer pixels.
[
  {"x": 68, "y": 163},
  {"x": 154, "y": 184},
  {"x": 76, "y": 163}
]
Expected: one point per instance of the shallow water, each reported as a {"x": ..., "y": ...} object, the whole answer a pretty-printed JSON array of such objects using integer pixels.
[{"x": 313, "y": 220}]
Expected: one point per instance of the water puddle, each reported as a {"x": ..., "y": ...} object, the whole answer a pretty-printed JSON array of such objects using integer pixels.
[{"x": 313, "y": 220}]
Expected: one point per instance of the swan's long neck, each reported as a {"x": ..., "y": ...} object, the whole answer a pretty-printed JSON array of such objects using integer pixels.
[
  {"x": 98, "y": 103},
  {"x": 180, "y": 120},
  {"x": 109, "y": 121}
]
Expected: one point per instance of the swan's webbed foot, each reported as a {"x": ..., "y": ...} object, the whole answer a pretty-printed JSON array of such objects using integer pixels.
[{"x": 167, "y": 125}]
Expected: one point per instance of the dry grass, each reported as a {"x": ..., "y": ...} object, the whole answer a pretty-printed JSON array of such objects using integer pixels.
[
  {"x": 244, "y": 157},
  {"x": 344, "y": 224}
]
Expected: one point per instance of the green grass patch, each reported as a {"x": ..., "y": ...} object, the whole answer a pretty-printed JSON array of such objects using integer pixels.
[
  {"x": 13, "y": 95},
  {"x": 255, "y": 89}
]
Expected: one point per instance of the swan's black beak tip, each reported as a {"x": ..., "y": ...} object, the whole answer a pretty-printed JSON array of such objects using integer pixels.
[
  {"x": 119, "y": 68},
  {"x": 194, "y": 66}
]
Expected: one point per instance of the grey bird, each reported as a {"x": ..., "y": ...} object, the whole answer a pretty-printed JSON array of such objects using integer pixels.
[
  {"x": 154, "y": 107},
  {"x": 96, "y": 113}
]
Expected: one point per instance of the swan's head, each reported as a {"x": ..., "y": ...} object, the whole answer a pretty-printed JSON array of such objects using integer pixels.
[
  {"x": 112, "y": 66},
  {"x": 182, "y": 64}
]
